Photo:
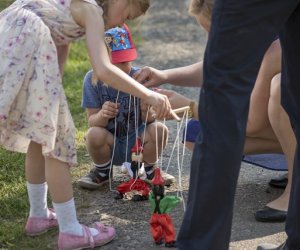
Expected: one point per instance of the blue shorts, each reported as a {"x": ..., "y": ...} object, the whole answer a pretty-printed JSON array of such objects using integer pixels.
[
  {"x": 193, "y": 129},
  {"x": 120, "y": 147}
]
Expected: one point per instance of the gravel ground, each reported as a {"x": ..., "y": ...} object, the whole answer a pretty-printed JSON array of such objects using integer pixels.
[{"x": 172, "y": 39}]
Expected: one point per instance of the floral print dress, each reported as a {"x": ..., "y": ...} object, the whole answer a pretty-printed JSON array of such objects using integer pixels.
[{"x": 33, "y": 105}]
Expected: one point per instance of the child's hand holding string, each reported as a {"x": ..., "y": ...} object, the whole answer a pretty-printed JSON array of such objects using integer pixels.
[
  {"x": 109, "y": 110},
  {"x": 161, "y": 105}
]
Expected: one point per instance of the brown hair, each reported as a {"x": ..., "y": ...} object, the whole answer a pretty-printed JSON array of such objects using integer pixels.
[
  {"x": 201, "y": 6},
  {"x": 142, "y": 4}
]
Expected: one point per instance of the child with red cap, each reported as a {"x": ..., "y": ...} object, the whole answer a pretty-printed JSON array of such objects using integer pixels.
[{"x": 116, "y": 119}]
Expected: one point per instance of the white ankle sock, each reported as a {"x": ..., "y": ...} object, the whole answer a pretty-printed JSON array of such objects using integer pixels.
[
  {"x": 67, "y": 218},
  {"x": 37, "y": 194}
]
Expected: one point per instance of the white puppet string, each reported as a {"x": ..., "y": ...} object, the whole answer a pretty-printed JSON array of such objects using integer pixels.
[
  {"x": 176, "y": 143},
  {"x": 179, "y": 164},
  {"x": 135, "y": 108},
  {"x": 127, "y": 137},
  {"x": 113, "y": 151}
]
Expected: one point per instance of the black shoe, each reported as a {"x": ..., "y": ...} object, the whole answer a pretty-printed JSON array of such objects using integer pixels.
[
  {"x": 268, "y": 214},
  {"x": 279, "y": 182},
  {"x": 94, "y": 179},
  {"x": 272, "y": 247},
  {"x": 170, "y": 244}
]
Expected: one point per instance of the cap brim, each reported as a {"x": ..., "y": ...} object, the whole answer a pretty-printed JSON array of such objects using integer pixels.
[{"x": 120, "y": 56}]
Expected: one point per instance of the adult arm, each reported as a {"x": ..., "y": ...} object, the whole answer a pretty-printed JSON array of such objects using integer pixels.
[
  {"x": 177, "y": 101},
  {"x": 188, "y": 76}
]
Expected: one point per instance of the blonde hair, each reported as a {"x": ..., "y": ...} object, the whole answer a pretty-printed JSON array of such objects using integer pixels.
[
  {"x": 201, "y": 6},
  {"x": 142, "y": 4}
]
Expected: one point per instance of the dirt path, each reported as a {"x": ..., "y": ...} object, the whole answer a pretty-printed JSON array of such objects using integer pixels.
[{"x": 172, "y": 39}]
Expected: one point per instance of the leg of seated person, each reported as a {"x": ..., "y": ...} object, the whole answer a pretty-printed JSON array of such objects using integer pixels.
[
  {"x": 258, "y": 124},
  {"x": 256, "y": 145},
  {"x": 283, "y": 130},
  {"x": 99, "y": 144},
  {"x": 150, "y": 152}
]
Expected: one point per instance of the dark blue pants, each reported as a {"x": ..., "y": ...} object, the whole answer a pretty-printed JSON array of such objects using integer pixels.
[{"x": 241, "y": 32}]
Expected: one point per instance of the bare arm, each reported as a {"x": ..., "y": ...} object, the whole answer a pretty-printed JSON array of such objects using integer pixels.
[
  {"x": 95, "y": 119},
  {"x": 86, "y": 14},
  {"x": 62, "y": 54},
  {"x": 90, "y": 17},
  {"x": 100, "y": 117},
  {"x": 188, "y": 76},
  {"x": 177, "y": 101}
]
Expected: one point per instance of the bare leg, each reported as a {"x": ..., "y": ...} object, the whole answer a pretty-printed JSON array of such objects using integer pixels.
[
  {"x": 99, "y": 143},
  {"x": 283, "y": 130},
  {"x": 253, "y": 145},
  {"x": 260, "y": 137},
  {"x": 150, "y": 141},
  {"x": 258, "y": 124},
  {"x": 59, "y": 180},
  {"x": 35, "y": 164},
  {"x": 258, "y": 145}
]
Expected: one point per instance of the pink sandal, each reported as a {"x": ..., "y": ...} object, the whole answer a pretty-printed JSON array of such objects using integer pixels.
[
  {"x": 36, "y": 225},
  {"x": 73, "y": 242}
]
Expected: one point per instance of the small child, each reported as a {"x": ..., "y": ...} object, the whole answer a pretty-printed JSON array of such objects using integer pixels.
[
  {"x": 116, "y": 118},
  {"x": 34, "y": 114}
]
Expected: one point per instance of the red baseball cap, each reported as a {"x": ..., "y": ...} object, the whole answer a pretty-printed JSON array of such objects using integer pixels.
[{"x": 120, "y": 43}]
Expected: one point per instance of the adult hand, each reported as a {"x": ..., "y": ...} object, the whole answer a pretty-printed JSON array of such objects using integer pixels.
[
  {"x": 109, "y": 110},
  {"x": 150, "y": 77}
]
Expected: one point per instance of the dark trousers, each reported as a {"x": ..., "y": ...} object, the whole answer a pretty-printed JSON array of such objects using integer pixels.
[{"x": 241, "y": 32}]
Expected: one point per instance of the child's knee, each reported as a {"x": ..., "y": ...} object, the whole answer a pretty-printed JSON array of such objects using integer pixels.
[
  {"x": 96, "y": 136},
  {"x": 162, "y": 132}
]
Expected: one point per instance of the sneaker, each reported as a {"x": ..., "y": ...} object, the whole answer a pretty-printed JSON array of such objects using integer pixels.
[
  {"x": 94, "y": 179},
  {"x": 70, "y": 241},
  {"x": 36, "y": 225},
  {"x": 169, "y": 179}
]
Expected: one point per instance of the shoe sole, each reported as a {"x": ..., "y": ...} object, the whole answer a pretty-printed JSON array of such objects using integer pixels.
[
  {"x": 91, "y": 185},
  {"x": 99, "y": 245},
  {"x": 40, "y": 233}
]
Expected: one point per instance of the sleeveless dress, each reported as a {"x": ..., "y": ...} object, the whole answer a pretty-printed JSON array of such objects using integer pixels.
[{"x": 33, "y": 105}]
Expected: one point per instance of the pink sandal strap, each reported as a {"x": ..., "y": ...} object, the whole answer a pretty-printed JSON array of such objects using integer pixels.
[
  {"x": 52, "y": 215},
  {"x": 89, "y": 236},
  {"x": 100, "y": 227}
]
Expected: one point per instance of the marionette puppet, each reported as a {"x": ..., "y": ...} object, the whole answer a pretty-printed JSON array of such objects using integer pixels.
[
  {"x": 161, "y": 225},
  {"x": 136, "y": 170}
]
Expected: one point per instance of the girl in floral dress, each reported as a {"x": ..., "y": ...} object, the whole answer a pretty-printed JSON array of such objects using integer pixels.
[{"x": 34, "y": 114}]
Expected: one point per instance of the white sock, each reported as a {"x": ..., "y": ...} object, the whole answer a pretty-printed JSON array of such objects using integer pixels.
[
  {"x": 37, "y": 194},
  {"x": 67, "y": 218}
]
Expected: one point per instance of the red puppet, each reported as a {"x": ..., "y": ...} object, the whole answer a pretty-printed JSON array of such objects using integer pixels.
[
  {"x": 161, "y": 225},
  {"x": 136, "y": 170}
]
